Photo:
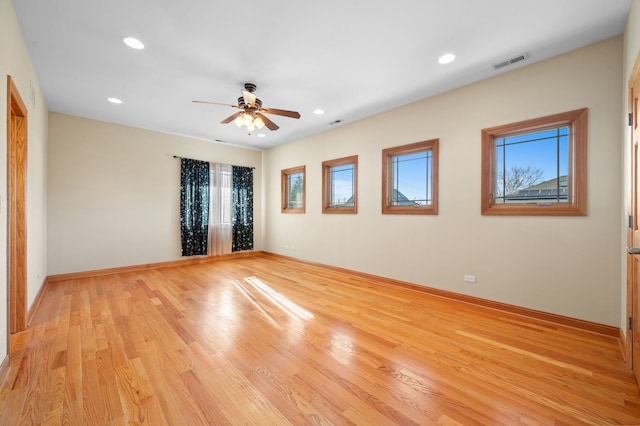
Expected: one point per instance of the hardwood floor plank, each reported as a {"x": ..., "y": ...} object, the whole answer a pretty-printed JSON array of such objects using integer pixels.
[
  {"x": 111, "y": 407},
  {"x": 72, "y": 410},
  {"x": 174, "y": 399},
  {"x": 208, "y": 409},
  {"x": 55, "y": 395},
  {"x": 266, "y": 340},
  {"x": 92, "y": 400},
  {"x": 139, "y": 403}
]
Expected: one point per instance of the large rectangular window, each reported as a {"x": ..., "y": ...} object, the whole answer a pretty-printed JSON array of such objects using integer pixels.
[
  {"x": 293, "y": 190},
  {"x": 409, "y": 178},
  {"x": 536, "y": 167},
  {"x": 340, "y": 185}
]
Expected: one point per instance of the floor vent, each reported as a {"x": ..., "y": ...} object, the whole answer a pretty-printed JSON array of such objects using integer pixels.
[{"x": 511, "y": 61}]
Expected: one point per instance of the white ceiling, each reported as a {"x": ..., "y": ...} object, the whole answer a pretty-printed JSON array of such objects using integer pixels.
[{"x": 352, "y": 58}]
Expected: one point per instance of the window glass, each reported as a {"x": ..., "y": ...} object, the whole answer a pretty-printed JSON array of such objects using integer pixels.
[
  {"x": 410, "y": 179},
  {"x": 533, "y": 167},
  {"x": 341, "y": 186},
  {"x": 294, "y": 190}
]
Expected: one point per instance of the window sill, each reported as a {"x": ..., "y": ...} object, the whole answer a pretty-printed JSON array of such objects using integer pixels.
[
  {"x": 534, "y": 210},
  {"x": 422, "y": 210},
  {"x": 339, "y": 210}
]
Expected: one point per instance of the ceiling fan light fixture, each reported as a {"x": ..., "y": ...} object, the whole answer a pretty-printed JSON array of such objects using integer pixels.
[{"x": 251, "y": 112}]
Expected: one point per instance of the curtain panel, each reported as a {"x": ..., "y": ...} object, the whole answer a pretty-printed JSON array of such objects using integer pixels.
[
  {"x": 242, "y": 209},
  {"x": 220, "y": 209},
  {"x": 194, "y": 206}
]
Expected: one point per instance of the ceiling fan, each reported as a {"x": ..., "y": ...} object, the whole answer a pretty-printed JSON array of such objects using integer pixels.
[{"x": 251, "y": 114}]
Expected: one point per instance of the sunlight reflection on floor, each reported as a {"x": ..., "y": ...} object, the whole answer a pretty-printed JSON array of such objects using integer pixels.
[
  {"x": 342, "y": 348},
  {"x": 286, "y": 305}
]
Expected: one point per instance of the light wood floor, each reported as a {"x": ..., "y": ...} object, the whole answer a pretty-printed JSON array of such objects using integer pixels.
[{"x": 270, "y": 341}]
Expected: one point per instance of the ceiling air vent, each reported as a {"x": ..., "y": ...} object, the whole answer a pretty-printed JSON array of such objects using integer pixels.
[{"x": 511, "y": 61}]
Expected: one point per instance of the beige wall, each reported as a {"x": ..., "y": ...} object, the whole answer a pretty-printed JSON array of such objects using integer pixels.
[
  {"x": 568, "y": 266},
  {"x": 15, "y": 61},
  {"x": 631, "y": 50},
  {"x": 114, "y": 192}
]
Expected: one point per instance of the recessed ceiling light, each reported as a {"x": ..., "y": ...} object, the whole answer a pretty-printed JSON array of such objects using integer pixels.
[
  {"x": 318, "y": 111},
  {"x": 114, "y": 100},
  {"x": 446, "y": 58},
  {"x": 133, "y": 43},
  {"x": 261, "y": 135}
]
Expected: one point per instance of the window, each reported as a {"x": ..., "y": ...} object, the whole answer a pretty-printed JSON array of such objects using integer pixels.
[
  {"x": 216, "y": 208},
  {"x": 293, "y": 190},
  {"x": 536, "y": 167},
  {"x": 340, "y": 185},
  {"x": 410, "y": 178}
]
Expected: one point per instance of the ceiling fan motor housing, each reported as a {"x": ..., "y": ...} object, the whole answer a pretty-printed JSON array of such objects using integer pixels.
[
  {"x": 250, "y": 87},
  {"x": 243, "y": 105}
]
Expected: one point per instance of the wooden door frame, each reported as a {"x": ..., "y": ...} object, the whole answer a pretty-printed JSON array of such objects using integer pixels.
[
  {"x": 633, "y": 293},
  {"x": 16, "y": 212}
]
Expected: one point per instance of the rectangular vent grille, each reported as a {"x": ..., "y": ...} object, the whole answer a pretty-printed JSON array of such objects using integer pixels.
[{"x": 511, "y": 61}]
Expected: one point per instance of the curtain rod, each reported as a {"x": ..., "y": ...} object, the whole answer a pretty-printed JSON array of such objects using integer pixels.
[{"x": 232, "y": 165}]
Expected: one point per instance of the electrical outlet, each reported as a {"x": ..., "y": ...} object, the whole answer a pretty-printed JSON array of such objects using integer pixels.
[
  {"x": 470, "y": 278},
  {"x": 286, "y": 247},
  {"x": 293, "y": 248}
]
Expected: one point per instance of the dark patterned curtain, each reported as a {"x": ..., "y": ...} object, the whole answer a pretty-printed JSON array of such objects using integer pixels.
[
  {"x": 194, "y": 206},
  {"x": 242, "y": 209}
]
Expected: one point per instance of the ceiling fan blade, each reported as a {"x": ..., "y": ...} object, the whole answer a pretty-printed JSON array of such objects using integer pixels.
[
  {"x": 232, "y": 117},
  {"x": 249, "y": 98},
  {"x": 283, "y": 112},
  {"x": 215, "y": 103},
  {"x": 270, "y": 124}
]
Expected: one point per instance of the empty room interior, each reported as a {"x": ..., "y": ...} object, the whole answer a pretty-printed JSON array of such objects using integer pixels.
[{"x": 271, "y": 213}]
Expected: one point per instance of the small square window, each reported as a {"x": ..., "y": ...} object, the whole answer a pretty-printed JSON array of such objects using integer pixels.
[
  {"x": 410, "y": 178},
  {"x": 340, "y": 185},
  {"x": 536, "y": 167},
  {"x": 293, "y": 190}
]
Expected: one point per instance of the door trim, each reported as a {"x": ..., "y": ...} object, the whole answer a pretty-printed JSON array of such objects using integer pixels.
[
  {"x": 16, "y": 213},
  {"x": 632, "y": 322}
]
